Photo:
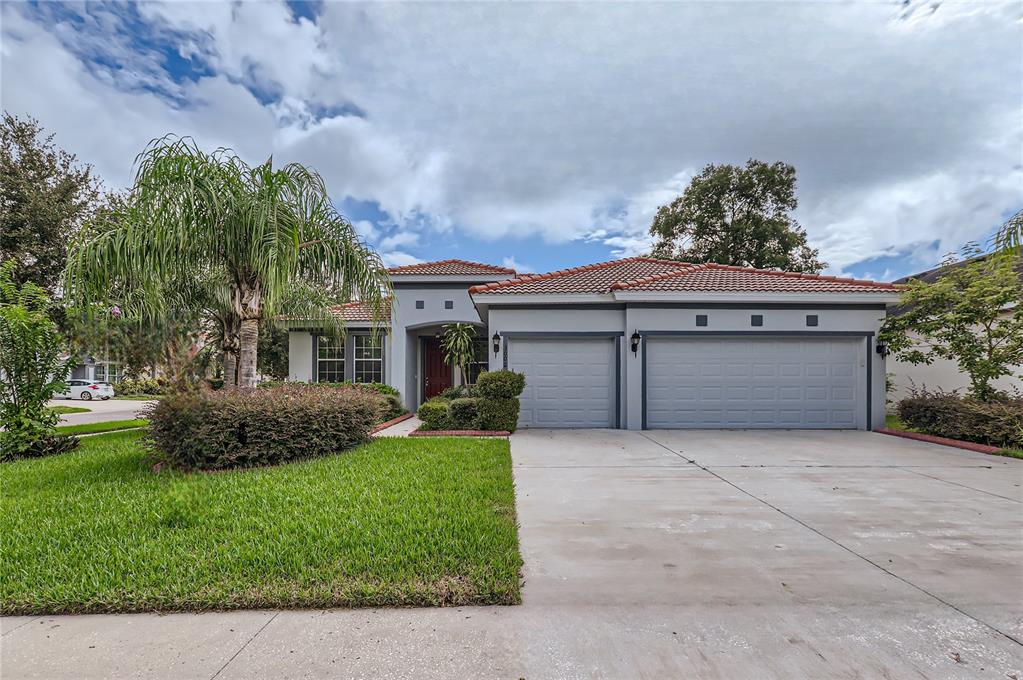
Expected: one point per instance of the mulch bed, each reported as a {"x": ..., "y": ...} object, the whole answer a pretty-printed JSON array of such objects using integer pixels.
[
  {"x": 944, "y": 441},
  {"x": 393, "y": 421},
  {"x": 458, "y": 433}
]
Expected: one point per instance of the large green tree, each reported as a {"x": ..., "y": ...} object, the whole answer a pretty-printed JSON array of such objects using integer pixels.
[
  {"x": 739, "y": 216},
  {"x": 972, "y": 313},
  {"x": 45, "y": 196},
  {"x": 263, "y": 241}
]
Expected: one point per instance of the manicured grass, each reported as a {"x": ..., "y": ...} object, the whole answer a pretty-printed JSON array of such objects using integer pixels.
[
  {"x": 394, "y": 522},
  {"x": 138, "y": 397},
  {"x": 893, "y": 422},
  {"x": 1011, "y": 453},
  {"x": 69, "y": 409},
  {"x": 108, "y": 426}
]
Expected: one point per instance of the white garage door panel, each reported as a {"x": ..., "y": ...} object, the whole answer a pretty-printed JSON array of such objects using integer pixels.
[
  {"x": 569, "y": 382},
  {"x": 754, "y": 382}
]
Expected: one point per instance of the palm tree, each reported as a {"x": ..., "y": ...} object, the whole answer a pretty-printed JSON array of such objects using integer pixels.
[
  {"x": 262, "y": 242},
  {"x": 458, "y": 347},
  {"x": 1010, "y": 236}
]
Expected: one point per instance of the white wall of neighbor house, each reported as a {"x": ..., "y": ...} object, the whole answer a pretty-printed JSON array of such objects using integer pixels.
[
  {"x": 943, "y": 374},
  {"x": 633, "y": 317}
]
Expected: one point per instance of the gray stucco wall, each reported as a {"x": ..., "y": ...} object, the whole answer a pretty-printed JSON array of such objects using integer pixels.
[{"x": 642, "y": 318}]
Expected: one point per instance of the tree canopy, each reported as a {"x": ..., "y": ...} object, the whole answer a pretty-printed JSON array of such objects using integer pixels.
[
  {"x": 45, "y": 196},
  {"x": 971, "y": 314},
  {"x": 739, "y": 216}
]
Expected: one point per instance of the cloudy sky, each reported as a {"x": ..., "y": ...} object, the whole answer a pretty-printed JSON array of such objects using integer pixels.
[{"x": 546, "y": 135}]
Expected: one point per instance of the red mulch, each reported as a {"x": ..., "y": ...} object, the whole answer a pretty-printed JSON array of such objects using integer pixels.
[
  {"x": 458, "y": 433},
  {"x": 959, "y": 444}
]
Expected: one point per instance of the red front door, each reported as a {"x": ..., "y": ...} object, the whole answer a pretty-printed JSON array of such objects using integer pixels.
[{"x": 436, "y": 371}]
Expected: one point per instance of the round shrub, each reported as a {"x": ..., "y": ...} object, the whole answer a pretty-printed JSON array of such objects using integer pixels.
[
  {"x": 392, "y": 407},
  {"x": 499, "y": 414},
  {"x": 500, "y": 384},
  {"x": 464, "y": 413},
  {"x": 434, "y": 414},
  {"x": 235, "y": 428}
]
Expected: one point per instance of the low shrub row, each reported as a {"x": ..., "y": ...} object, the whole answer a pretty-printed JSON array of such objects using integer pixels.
[
  {"x": 148, "y": 386},
  {"x": 491, "y": 404},
  {"x": 998, "y": 422},
  {"x": 229, "y": 429}
]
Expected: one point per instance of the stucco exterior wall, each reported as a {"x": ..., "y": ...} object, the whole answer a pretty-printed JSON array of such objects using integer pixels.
[
  {"x": 943, "y": 374},
  {"x": 409, "y": 323}
]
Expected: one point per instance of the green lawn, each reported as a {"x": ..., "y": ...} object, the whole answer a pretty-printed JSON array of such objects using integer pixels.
[
  {"x": 1010, "y": 453},
  {"x": 893, "y": 422},
  {"x": 69, "y": 409},
  {"x": 138, "y": 397},
  {"x": 108, "y": 426},
  {"x": 402, "y": 522}
]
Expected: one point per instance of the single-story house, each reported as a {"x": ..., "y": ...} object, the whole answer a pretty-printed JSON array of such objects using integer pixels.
[
  {"x": 943, "y": 374},
  {"x": 634, "y": 343}
]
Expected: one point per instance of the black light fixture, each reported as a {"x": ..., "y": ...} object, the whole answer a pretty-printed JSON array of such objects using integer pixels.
[
  {"x": 635, "y": 342},
  {"x": 881, "y": 348},
  {"x": 497, "y": 342}
]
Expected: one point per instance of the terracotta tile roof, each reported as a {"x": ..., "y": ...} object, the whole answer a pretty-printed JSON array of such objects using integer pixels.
[
  {"x": 449, "y": 268},
  {"x": 651, "y": 274},
  {"x": 591, "y": 278},
  {"x": 357, "y": 311},
  {"x": 720, "y": 277}
]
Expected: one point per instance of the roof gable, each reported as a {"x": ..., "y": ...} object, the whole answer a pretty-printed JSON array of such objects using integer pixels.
[{"x": 449, "y": 268}]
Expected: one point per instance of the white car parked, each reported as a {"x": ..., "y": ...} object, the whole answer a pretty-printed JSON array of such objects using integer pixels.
[{"x": 84, "y": 389}]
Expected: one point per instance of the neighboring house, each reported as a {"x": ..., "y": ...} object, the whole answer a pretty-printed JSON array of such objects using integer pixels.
[
  {"x": 942, "y": 374},
  {"x": 635, "y": 343},
  {"x": 96, "y": 370}
]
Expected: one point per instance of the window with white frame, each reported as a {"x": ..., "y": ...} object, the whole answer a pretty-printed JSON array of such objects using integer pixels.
[
  {"x": 369, "y": 358},
  {"x": 480, "y": 362},
  {"x": 330, "y": 359},
  {"x": 108, "y": 371}
]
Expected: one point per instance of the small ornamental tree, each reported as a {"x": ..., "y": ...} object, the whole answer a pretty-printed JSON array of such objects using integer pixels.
[
  {"x": 972, "y": 314},
  {"x": 458, "y": 346},
  {"x": 31, "y": 370}
]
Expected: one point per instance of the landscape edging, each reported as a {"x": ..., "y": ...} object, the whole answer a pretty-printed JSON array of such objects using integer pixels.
[{"x": 944, "y": 441}]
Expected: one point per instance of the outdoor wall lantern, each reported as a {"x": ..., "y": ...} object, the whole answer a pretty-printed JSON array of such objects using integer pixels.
[
  {"x": 635, "y": 342},
  {"x": 881, "y": 348},
  {"x": 497, "y": 343}
]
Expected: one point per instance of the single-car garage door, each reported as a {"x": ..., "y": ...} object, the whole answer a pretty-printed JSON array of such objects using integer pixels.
[
  {"x": 742, "y": 382},
  {"x": 570, "y": 382}
]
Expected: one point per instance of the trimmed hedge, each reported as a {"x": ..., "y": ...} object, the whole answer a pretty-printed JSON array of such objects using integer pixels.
[
  {"x": 236, "y": 429},
  {"x": 464, "y": 414},
  {"x": 434, "y": 414},
  {"x": 499, "y": 414},
  {"x": 149, "y": 386},
  {"x": 945, "y": 414},
  {"x": 500, "y": 384}
]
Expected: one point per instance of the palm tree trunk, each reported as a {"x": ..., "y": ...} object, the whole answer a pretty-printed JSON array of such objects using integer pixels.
[
  {"x": 247, "y": 353},
  {"x": 230, "y": 369}
]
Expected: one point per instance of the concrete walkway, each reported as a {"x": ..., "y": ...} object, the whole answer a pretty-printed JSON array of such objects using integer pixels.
[
  {"x": 658, "y": 554},
  {"x": 400, "y": 429}
]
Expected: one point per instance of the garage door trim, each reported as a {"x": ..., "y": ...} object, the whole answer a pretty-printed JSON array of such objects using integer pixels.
[
  {"x": 616, "y": 335},
  {"x": 866, "y": 335}
]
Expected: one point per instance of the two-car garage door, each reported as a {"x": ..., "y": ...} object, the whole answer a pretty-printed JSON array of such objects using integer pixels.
[
  {"x": 754, "y": 382},
  {"x": 744, "y": 381}
]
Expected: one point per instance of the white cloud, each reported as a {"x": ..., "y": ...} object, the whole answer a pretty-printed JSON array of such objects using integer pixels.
[
  {"x": 366, "y": 230},
  {"x": 561, "y": 121},
  {"x": 400, "y": 239},
  {"x": 397, "y": 258},
  {"x": 520, "y": 267}
]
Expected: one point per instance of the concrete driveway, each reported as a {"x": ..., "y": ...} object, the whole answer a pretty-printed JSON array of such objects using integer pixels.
[
  {"x": 99, "y": 411},
  {"x": 659, "y": 554}
]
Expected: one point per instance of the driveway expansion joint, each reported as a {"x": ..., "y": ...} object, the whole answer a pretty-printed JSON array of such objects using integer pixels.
[
  {"x": 838, "y": 543},
  {"x": 965, "y": 486},
  {"x": 21, "y": 625}
]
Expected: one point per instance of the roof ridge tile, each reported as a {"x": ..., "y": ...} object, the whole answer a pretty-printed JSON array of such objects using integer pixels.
[
  {"x": 558, "y": 273},
  {"x": 410, "y": 268}
]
